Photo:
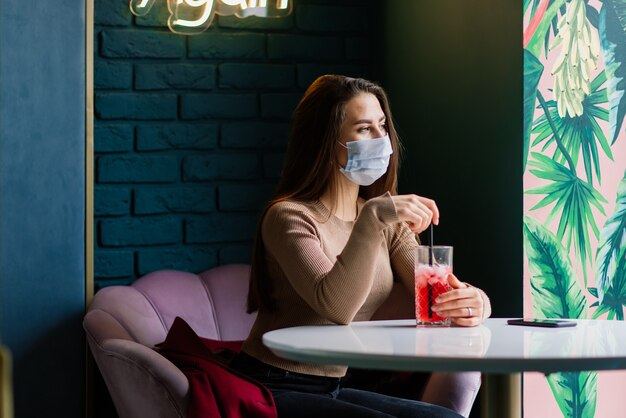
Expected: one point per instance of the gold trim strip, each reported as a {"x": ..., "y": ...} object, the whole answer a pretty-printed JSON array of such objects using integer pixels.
[
  {"x": 6, "y": 384},
  {"x": 89, "y": 192},
  {"x": 89, "y": 154}
]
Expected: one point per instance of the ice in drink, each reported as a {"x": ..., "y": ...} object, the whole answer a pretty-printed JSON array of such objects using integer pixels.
[{"x": 430, "y": 282}]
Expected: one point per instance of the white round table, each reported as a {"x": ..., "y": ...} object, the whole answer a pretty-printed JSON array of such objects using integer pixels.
[{"x": 500, "y": 350}]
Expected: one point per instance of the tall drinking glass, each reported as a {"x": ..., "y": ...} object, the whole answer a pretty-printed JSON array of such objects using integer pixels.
[{"x": 432, "y": 267}]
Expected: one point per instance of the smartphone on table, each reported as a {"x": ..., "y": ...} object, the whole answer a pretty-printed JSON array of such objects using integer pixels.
[{"x": 546, "y": 323}]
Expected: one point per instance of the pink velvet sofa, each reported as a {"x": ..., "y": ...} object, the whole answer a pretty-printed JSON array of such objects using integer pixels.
[{"x": 124, "y": 323}]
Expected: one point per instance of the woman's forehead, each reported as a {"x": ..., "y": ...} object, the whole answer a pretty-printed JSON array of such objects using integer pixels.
[{"x": 364, "y": 106}]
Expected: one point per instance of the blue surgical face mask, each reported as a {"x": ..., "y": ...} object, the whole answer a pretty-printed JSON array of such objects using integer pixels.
[{"x": 368, "y": 160}]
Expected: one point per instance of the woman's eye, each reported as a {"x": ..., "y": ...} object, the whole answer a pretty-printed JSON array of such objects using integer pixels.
[
  {"x": 363, "y": 129},
  {"x": 383, "y": 127}
]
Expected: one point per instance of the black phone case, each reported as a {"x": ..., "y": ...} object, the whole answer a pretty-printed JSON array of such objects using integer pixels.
[{"x": 550, "y": 323}]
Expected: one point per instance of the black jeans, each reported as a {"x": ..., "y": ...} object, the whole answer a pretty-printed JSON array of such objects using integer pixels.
[{"x": 303, "y": 396}]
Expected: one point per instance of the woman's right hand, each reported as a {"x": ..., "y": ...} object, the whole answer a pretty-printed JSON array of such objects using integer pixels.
[{"x": 417, "y": 211}]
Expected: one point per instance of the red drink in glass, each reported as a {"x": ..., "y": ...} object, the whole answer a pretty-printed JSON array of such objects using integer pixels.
[{"x": 430, "y": 282}]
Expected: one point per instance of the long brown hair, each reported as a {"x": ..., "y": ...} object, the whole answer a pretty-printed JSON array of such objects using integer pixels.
[{"x": 311, "y": 164}]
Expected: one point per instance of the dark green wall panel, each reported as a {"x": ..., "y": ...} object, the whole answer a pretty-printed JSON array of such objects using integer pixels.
[{"x": 453, "y": 70}]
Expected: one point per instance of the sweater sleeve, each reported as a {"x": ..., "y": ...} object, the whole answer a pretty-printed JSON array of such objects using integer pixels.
[
  {"x": 402, "y": 249},
  {"x": 334, "y": 289}
]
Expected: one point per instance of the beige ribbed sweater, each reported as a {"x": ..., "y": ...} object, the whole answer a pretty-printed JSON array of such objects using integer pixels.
[{"x": 325, "y": 270}]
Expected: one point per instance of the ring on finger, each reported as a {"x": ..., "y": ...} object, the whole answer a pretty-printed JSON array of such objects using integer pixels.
[{"x": 469, "y": 312}]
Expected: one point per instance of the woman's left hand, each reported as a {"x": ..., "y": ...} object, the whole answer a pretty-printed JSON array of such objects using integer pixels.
[{"x": 465, "y": 305}]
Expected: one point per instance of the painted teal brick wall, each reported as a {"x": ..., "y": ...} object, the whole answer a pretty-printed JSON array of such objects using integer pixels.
[{"x": 190, "y": 132}]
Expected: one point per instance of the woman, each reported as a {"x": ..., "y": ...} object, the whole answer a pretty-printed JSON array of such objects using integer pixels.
[{"x": 330, "y": 244}]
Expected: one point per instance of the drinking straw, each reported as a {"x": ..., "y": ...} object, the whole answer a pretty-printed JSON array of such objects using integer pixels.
[
  {"x": 430, "y": 253},
  {"x": 430, "y": 263}
]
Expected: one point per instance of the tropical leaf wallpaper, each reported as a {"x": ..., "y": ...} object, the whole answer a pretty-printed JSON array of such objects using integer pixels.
[{"x": 575, "y": 187}]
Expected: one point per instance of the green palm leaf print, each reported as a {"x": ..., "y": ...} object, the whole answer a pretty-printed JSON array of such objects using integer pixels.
[
  {"x": 611, "y": 259},
  {"x": 554, "y": 288},
  {"x": 556, "y": 294},
  {"x": 574, "y": 199},
  {"x": 580, "y": 134},
  {"x": 575, "y": 393},
  {"x": 532, "y": 73},
  {"x": 527, "y": 3},
  {"x": 612, "y": 31},
  {"x": 537, "y": 42}
]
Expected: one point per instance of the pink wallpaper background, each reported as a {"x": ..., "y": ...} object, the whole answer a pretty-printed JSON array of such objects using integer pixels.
[{"x": 539, "y": 400}]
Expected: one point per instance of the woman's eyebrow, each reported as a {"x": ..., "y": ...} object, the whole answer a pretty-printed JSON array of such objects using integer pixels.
[{"x": 368, "y": 120}]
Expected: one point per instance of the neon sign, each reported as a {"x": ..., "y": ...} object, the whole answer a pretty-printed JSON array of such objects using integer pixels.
[{"x": 190, "y": 17}]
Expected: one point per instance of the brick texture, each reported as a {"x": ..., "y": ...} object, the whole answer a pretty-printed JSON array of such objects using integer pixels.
[
  {"x": 141, "y": 44},
  {"x": 235, "y": 254},
  {"x": 174, "y": 76},
  {"x": 113, "y": 75},
  {"x": 219, "y": 106},
  {"x": 191, "y": 131},
  {"x": 222, "y": 227},
  {"x": 174, "y": 200},
  {"x": 139, "y": 231},
  {"x": 227, "y": 46},
  {"x": 112, "y": 13},
  {"x": 198, "y": 168},
  {"x": 257, "y": 76},
  {"x": 254, "y": 135},
  {"x": 114, "y": 138},
  {"x": 176, "y": 136},
  {"x": 135, "y": 106},
  {"x": 136, "y": 169},
  {"x": 111, "y": 201},
  {"x": 278, "y": 105},
  {"x": 244, "y": 197},
  {"x": 114, "y": 264},
  {"x": 189, "y": 258}
]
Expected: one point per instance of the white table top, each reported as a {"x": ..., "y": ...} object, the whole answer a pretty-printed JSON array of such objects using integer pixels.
[{"x": 494, "y": 347}]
